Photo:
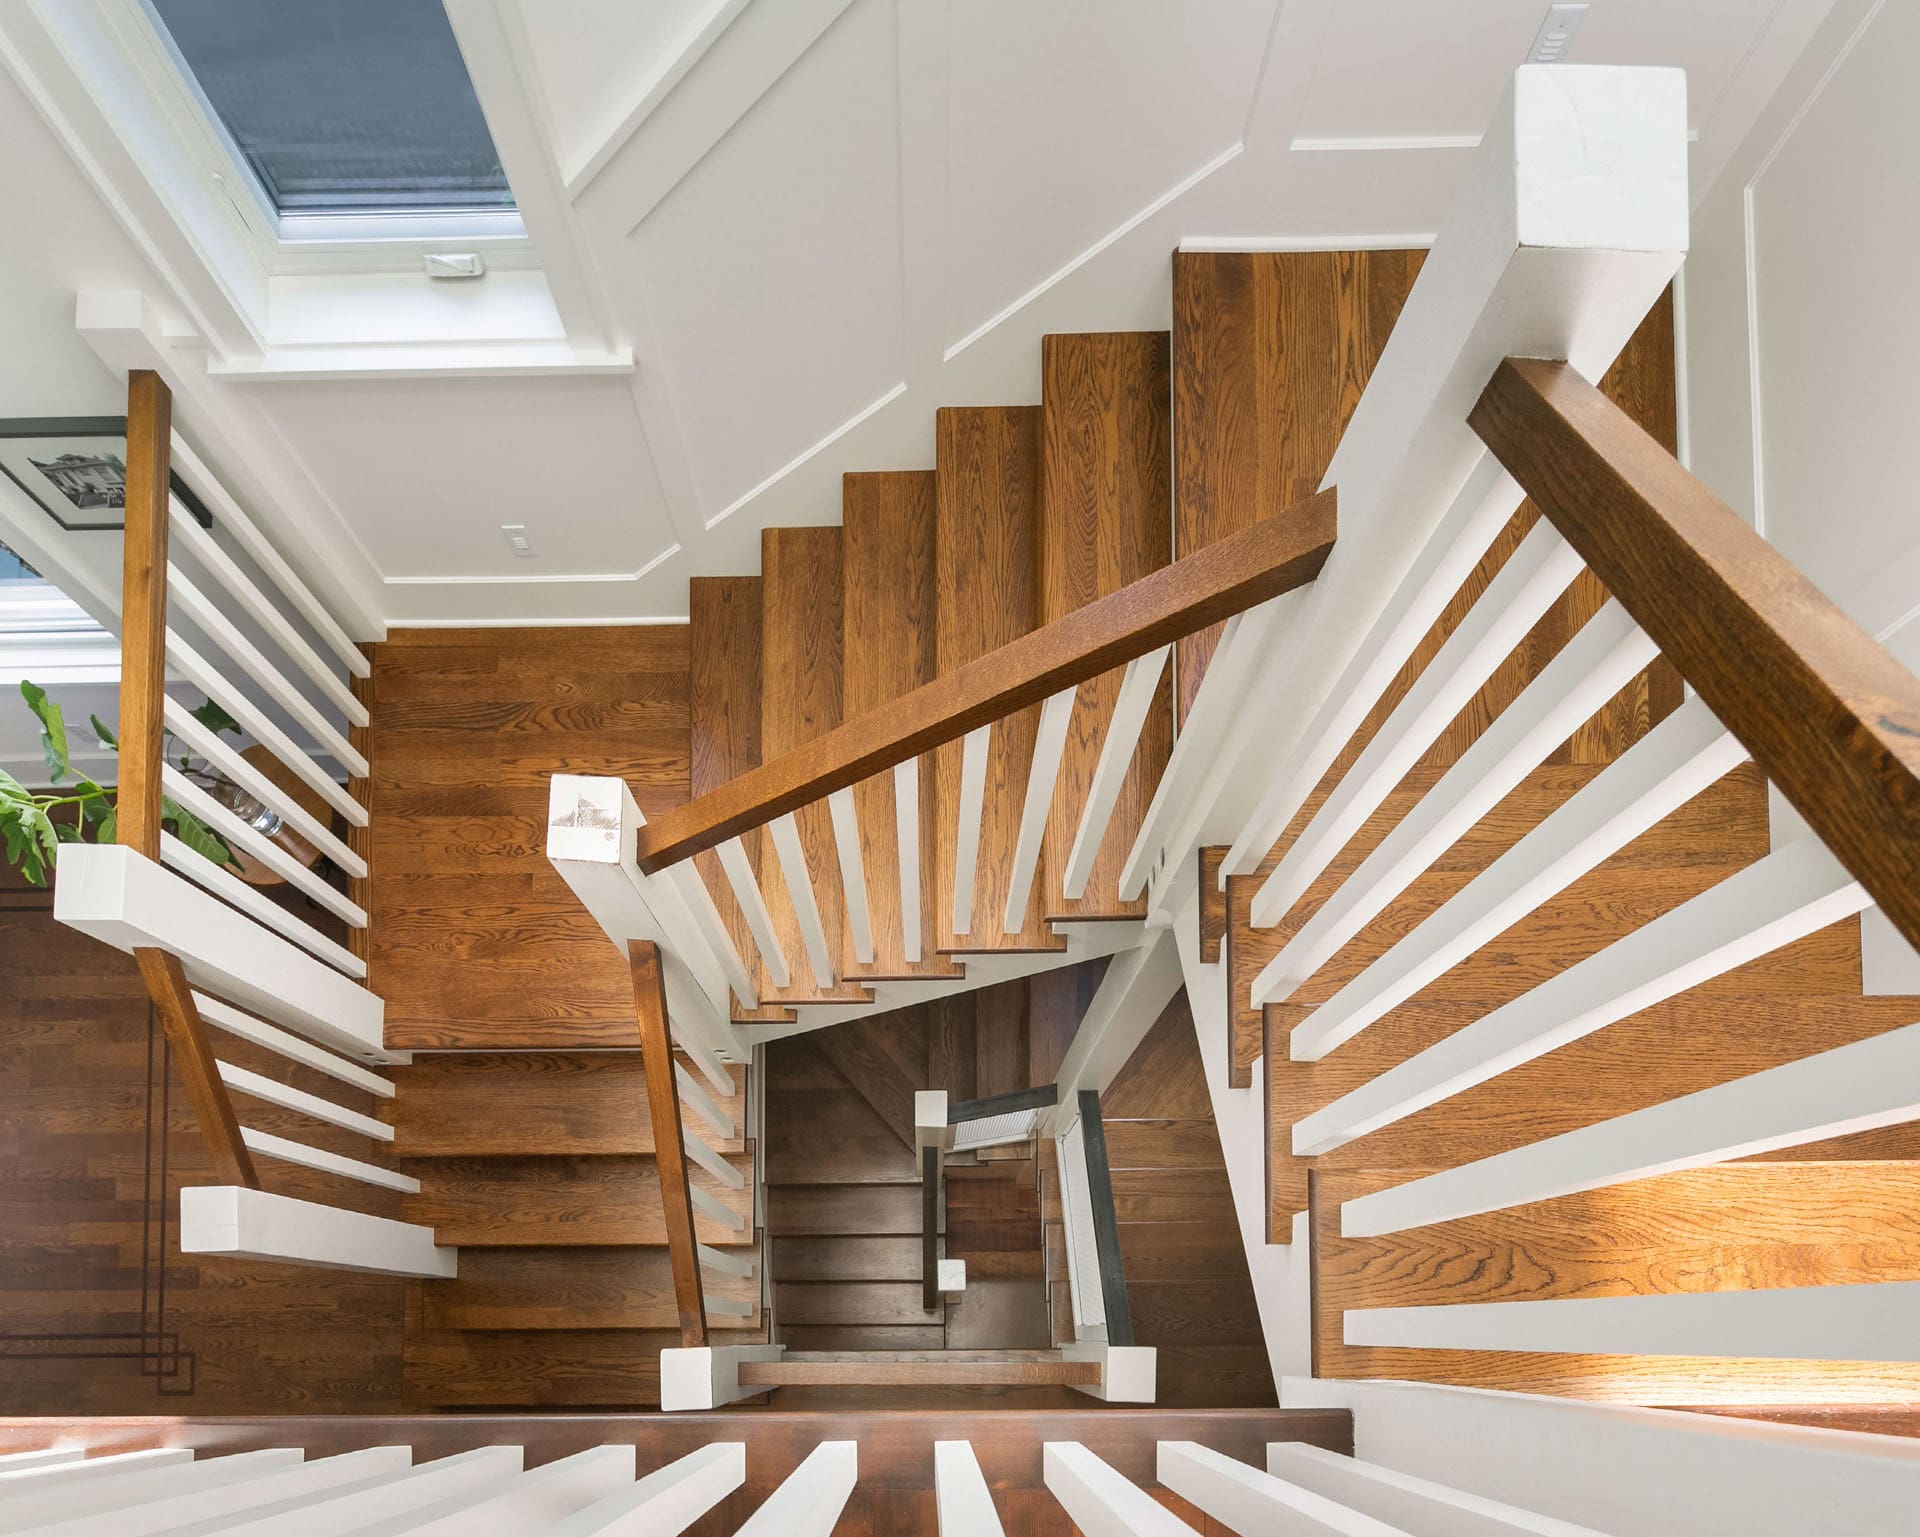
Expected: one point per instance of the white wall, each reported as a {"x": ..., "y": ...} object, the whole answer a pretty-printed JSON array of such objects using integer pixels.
[{"x": 1800, "y": 329}]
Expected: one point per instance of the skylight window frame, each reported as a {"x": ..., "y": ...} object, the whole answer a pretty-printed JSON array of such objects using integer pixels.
[{"x": 392, "y": 239}]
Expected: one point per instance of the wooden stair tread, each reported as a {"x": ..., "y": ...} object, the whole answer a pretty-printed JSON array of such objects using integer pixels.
[
  {"x": 847, "y": 1257},
  {"x": 723, "y": 719},
  {"x": 843, "y": 1210},
  {"x": 852, "y": 1302},
  {"x": 988, "y": 499},
  {"x": 573, "y": 1288},
  {"x": 1105, "y": 493},
  {"x": 548, "y": 1202},
  {"x": 1732, "y": 1227},
  {"x": 1262, "y": 339},
  {"x": 543, "y": 1369},
  {"x": 471, "y": 1104},
  {"x": 889, "y": 607},
  {"x": 800, "y": 699},
  {"x": 807, "y": 1093}
]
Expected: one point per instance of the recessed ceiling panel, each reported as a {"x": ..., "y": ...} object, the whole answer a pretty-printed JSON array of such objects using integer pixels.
[
  {"x": 426, "y": 471},
  {"x": 1392, "y": 69},
  {"x": 1068, "y": 119},
  {"x": 772, "y": 271}
]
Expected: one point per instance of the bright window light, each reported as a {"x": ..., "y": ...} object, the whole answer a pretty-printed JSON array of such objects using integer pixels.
[{"x": 341, "y": 108}]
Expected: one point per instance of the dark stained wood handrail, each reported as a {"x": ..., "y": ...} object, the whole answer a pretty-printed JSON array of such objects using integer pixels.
[
  {"x": 1274, "y": 556},
  {"x": 669, "y": 1146},
  {"x": 1826, "y": 712}
]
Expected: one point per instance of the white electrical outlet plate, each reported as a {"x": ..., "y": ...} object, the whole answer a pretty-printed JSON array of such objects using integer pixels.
[
  {"x": 517, "y": 540},
  {"x": 1555, "y": 36}
]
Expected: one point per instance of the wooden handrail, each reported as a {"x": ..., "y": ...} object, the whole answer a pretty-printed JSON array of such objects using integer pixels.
[
  {"x": 669, "y": 1145},
  {"x": 1274, "y": 556},
  {"x": 143, "y": 676},
  {"x": 1826, "y": 712}
]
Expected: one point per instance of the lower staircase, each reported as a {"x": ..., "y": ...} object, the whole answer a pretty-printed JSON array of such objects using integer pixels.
[{"x": 540, "y": 1167}]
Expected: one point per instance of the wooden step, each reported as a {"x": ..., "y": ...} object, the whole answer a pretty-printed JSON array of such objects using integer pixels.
[
  {"x": 839, "y": 1210},
  {"x": 1106, "y": 520},
  {"x": 1735, "y": 1227},
  {"x": 800, "y": 699},
  {"x": 574, "y": 1288},
  {"x": 723, "y": 717},
  {"x": 865, "y": 1303},
  {"x": 534, "y": 1369},
  {"x": 889, "y": 602},
  {"x": 1270, "y": 353},
  {"x": 570, "y": 1202},
  {"x": 479, "y": 1104},
  {"x": 806, "y": 1093},
  {"x": 862, "y": 1337},
  {"x": 876, "y": 1061},
  {"x": 988, "y": 497},
  {"x": 1001, "y": 1054},
  {"x": 859, "y": 1258}
]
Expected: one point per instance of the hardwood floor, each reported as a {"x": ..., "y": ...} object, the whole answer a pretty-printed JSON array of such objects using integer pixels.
[
  {"x": 100, "y": 1313},
  {"x": 476, "y": 942}
]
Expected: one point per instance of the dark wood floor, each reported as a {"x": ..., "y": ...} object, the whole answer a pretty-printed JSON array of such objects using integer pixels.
[
  {"x": 97, "y": 1140},
  {"x": 476, "y": 942}
]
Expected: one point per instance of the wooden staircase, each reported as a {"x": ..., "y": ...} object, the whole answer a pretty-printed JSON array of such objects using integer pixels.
[{"x": 540, "y": 1167}]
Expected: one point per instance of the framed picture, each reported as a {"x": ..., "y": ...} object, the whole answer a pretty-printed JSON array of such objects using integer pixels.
[{"x": 75, "y": 467}]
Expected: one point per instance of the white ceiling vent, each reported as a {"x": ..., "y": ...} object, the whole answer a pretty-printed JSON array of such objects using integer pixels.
[{"x": 1551, "y": 42}]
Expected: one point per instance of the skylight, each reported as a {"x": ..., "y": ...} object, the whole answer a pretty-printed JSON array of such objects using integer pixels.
[{"x": 346, "y": 108}]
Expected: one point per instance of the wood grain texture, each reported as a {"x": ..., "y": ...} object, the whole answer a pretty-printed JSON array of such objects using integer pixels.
[
  {"x": 1270, "y": 558},
  {"x": 476, "y": 941},
  {"x": 1271, "y": 351},
  {"x": 1732, "y": 1228},
  {"x": 450, "y": 1105},
  {"x": 724, "y": 738},
  {"x": 888, "y": 551},
  {"x": 574, "y": 1288},
  {"x": 559, "y": 1202},
  {"x": 923, "y": 1373},
  {"x": 800, "y": 692},
  {"x": 1213, "y": 905},
  {"x": 669, "y": 1150},
  {"x": 1106, "y": 521},
  {"x": 1830, "y": 716},
  {"x": 143, "y": 612},
  {"x": 99, "y": 1138}
]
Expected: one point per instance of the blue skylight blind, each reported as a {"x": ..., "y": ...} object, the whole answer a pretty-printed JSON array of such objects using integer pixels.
[{"x": 342, "y": 106}]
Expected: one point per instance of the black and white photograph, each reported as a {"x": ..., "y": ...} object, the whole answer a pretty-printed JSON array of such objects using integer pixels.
[{"x": 75, "y": 470}]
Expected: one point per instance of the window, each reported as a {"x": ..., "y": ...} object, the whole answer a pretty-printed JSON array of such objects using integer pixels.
[
  {"x": 344, "y": 112},
  {"x": 45, "y": 637}
]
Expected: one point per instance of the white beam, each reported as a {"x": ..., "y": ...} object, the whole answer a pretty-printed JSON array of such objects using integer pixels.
[
  {"x": 223, "y": 1016},
  {"x": 17, "y": 1478},
  {"x": 667, "y": 1501},
  {"x": 387, "y": 1500},
  {"x": 785, "y": 832},
  {"x": 809, "y": 1500},
  {"x": 1531, "y": 582},
  {"x": 1609, "y": 650},
  {"x": 1249, "y": 1500},
  {"x": 202, "y": 1505},
  {"x": 906, "y": 834},
  {"x": 533, "y": 1501},
  {"x": 753, "y": 907},
  {"x": 128, "y": 901},
  {"x": 969, "y": 814},
  {"x": 289, "y": 1151},
  {"x": 243, "y": 1081},
  {"x": 1130, "y": 999},
  {"x": 1102, "y": 1502},
  {"x": 962, "y": 1501},
  {"x": 686, "y": 879},
  {"x": 1839, "y": 1093},
  {"x": 1660, "y": 773},
  {"x": 60, "y": 1499},
  {"x": 1876, "y": 1321},
  {"x": 1774, "y": 901},
  {"x": 1401, "y": 1500},
  {"x": 708, "y": 1376},
  {"x": 239, "y": 1223}
]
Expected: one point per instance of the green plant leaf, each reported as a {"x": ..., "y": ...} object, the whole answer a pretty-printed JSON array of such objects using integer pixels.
[
  {"x": 53, "y": 727},
  {"x": 195, "y": 834},
  {"x": 109, "y": 825},
  {"x": 214, "y": 718},
  {"x": 66, "y": 832},
  {"x": 12, "y": 790},
  {"x": 107, "y": 738},
  {"x": 23, "y": 849}
]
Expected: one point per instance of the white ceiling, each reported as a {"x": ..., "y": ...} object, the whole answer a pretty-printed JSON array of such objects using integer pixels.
[{"x": 812, "y": 221}]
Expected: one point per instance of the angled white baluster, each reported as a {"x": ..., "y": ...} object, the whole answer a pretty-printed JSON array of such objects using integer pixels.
[
  {"x": 785, "y": 832},
  {"x": 708, "y": 1159},
  {"x": 1101, "y": 1502},
  {"x": 686, "y": 879},
  {"x": 810, "y": 1499},
  {"x": 962, "y": 1500},
  {"x": 853, "y": 875},
  {"x": 267, "y": 1487},
  {"x": 381, "y": 1501},
  {"x": 287, "y": 1150},
  {"x": 533, "y": 1501},
  {"x": 90, "y": 1489},
  {"x": 753, "y": 906},
  {"x": 1049, "y": 746},
  {"x": 1131, "y": 706},
  {"x": 665, "y": 1502},
  {"x": 241, "y": 1081},
  {"x": 906, "y": 832},
  {"x": 17, "y": 1478},
  {"x": 972, "y": 811},
  {"x": 1250, "y": 1500},
  {"x": 1413, "y": 1504},
  {"x": 1793, "y": 892}
]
